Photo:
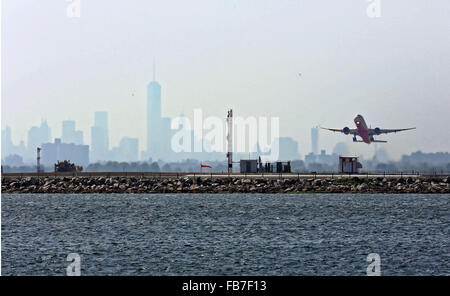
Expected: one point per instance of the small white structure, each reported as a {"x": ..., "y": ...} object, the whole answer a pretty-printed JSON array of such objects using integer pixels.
[{"x": 349, "y": 165}]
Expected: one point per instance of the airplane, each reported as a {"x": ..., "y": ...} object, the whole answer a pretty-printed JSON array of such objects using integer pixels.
[{"x": 364, "y": 132}]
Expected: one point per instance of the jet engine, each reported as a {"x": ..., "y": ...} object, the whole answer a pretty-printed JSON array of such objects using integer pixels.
[
  {"x": 346, "y": 130},
  {"x": 377, "y": 131}
]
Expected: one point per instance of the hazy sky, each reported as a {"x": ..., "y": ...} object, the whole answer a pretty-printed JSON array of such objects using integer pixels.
[{"x": 394, "y": 70}]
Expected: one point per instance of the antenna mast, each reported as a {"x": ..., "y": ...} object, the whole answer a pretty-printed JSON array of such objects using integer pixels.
[{"x": 230, "y": 140}]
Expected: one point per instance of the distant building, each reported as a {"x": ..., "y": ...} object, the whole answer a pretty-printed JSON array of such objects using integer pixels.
[
  {"x": 129, "y": 148},
  {"x": 159, "y": 133},
  {"x": 69, "y": 134},
  {"x": 154, "y": 120},
  {"x": 37, "y": 136},
  {"x": 340, "y": 149},
  {"x": 78, "y": 137},
  {"x": 429, "y": 159},
  {"x": 8, "y": 147},
  {"x": 58, "y": 151},
  {"x": 167, "y": 133},
  {"x": 13, "y": 160},
  {"x": 322, "y": 158},
  {"x": 100, "y": 137},
  {"x": 315, "y": 140},
  {"x": 288, "y": 149},
  {"x": 101, "y": 119},
  {"x": 68, "y": 128},
  {"x": 7, "y": 144}
]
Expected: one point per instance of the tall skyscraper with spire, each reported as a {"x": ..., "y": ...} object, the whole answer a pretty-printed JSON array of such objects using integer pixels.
[
  {"x": 159, "y": 133},
  {"x": 154, "y": 120}
]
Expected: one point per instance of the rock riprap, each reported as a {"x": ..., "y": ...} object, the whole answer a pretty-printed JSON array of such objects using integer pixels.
[{"x": 223, "y": 185}]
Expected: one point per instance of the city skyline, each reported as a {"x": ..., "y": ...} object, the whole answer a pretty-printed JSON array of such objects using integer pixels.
[
  {"x": 159, "y": 133},
  {"x": 128, "y": 150},
  {"x": 159, "y": 140},
  {"x": 243, "y": 56}
]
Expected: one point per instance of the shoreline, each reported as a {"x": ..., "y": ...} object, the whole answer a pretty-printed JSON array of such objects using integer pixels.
[{"x": 438, "y": 184}]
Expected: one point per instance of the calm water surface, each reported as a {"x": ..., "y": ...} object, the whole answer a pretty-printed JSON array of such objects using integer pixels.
[{"x": 225, "y": 234}]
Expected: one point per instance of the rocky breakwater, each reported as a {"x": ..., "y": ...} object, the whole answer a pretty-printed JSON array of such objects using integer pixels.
[{"x": 223, "y": 185}]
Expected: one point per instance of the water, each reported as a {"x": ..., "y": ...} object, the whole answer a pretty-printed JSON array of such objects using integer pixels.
[{"x": 225, "y": 234}]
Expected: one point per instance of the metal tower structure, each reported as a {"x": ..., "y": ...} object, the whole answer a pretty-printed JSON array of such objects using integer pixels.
[
  {"x": 230, "y": 140},
  {"x": 38, "y": 160}
]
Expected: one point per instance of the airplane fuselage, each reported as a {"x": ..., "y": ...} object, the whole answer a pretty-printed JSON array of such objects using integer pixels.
[{"x": 363, "y": 130}]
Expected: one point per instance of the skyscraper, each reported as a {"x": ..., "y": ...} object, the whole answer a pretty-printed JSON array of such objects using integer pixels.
[
  {"x": 101, "y": 120},
  {"x": 58, "y": 151},
  {"x": 37, "y": 136},
  {"x": 288, "y": 149},
  {"x": 154, "y": 120},
  {"x": 7, "y": 144},
  {"x": 159, "y": 133},
  {"x": 8, "y": 147},
  {"x": 100, "y": 137},
  {"x": 69, "y": 134},
  {"x": 68, "y": 128},
  {"x": 315, "y": 140},
  {"x": 129, "y": 148}
]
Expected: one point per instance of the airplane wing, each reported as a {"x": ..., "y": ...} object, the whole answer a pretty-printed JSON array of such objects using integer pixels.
[
  {"x": 341, "y": 130},
  {"x": 374, "y": 131}
]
